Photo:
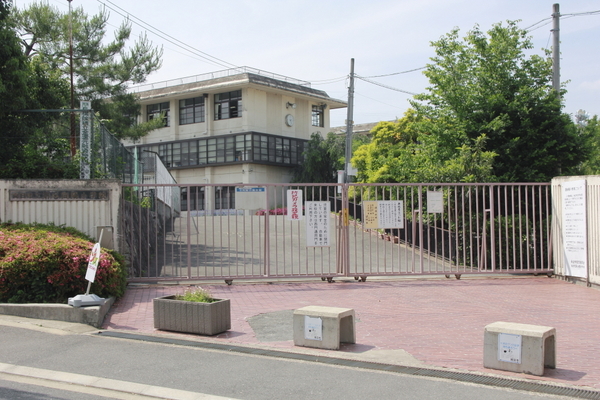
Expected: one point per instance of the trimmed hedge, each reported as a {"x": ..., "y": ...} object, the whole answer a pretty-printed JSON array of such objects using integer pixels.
[{"x": 47, "y": 264}]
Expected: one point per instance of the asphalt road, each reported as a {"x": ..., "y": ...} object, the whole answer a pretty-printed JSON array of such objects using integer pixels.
[{"x": 53, "y": 364}]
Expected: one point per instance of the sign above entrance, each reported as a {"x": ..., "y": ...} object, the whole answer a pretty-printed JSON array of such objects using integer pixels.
[{"x": 250, "y": 197}]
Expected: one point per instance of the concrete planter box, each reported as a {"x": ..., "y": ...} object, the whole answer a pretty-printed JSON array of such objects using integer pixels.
[{"x": 192, "y": 317}]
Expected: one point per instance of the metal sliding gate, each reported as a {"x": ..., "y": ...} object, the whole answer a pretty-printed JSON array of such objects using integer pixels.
[{"x": 198, "y": 232}]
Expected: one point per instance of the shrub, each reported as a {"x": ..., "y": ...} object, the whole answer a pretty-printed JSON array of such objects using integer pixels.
[
  {"x": 198, "y": 295},
  {"x": 47, "y": 264}
]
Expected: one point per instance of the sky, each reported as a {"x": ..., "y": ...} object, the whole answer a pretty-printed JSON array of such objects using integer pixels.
[{"x": 314, "y": 40}]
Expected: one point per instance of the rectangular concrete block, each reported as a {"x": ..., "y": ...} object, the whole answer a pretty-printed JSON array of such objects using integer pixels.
[
  {"x": 538, "y": 347},
  {"x": 336, "y": 326}
]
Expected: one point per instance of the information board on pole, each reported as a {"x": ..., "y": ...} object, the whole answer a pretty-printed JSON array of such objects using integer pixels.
[{"x": 574, "y": 228}]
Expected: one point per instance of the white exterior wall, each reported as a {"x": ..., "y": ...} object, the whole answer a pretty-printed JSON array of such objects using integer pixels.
[{"x": 84, "y": 215}]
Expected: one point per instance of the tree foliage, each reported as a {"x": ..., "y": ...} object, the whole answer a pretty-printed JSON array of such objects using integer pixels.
[
  {"x": 24, "y": 85},
  {"x": 410, "y": 150},
  {"x": 485, "y": 85},
  {"x": 102, "y": 69}
]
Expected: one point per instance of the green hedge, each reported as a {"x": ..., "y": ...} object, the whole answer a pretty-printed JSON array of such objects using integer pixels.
[{"x": 47, "y": 264}]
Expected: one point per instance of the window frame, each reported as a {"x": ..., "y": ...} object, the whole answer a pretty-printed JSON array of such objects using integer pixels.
[
  {"x": 193, "y": 113},
  {"x": 156, "y": 109},
  {"x": 228, "y": 105},
  {"x": 318, "y": 116}
]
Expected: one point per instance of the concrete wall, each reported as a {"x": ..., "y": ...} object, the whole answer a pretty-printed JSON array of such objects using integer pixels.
[
  {"x": 87, "y": 205},
  {"x": 593, "y": 225}
]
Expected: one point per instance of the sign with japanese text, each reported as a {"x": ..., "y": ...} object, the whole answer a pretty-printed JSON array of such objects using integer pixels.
[
  {"x": 294, "y": 205},
  {"x": 250, "y": 198},
  {"x": 574, "y": 229},
  {"x": 435, "y": 202},
  {"x": 317, "y": 223},
  {"x": 385, "y": 214},
  {"x": 509, "y": 348},
  {"x": 313, "y": 328}
]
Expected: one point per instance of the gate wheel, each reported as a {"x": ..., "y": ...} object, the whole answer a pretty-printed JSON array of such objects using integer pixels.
[
  {"x": 447, "y": 276},
  {"x": 229, "y": 281},
  {"x": 363, "y": 279},
  {"x": 330, "y": 279},
  {"x": 457, "y": 276}
]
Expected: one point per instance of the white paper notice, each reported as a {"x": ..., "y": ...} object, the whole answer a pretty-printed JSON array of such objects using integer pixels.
[
  {"x": 435, "y": 202},
  {"x": 574, "y": 229},
  {"x": 313, "y": 328},
  {"x": 317, "y": 223},
  {"x": 509, "y": 348}
]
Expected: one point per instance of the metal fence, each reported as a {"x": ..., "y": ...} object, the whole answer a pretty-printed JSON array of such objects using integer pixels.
[{"x": 443, "y": 229}]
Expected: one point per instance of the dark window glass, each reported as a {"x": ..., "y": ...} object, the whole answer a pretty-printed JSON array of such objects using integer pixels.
[
  {"x": 317, "y": 116},
  {"x": 155, "y": 111},
  {"x": 191, "y": 111},
  {"x": 228, "y": 105}
]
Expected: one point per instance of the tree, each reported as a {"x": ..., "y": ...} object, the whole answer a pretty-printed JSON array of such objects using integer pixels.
[
  {"x": 414, "y": 149},
  {"x": 102, "y": 69},
  {"x": 318, "y": 164},
  {"x": 487, "y": 85},
  {"x": 589, "y": 130},
  {"x": 24, "y": 85}
]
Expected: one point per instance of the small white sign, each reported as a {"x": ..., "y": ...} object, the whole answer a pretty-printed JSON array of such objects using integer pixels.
[
  {"x": 574, "y": 228},
  {"x": 90, "y": 274},
  {"x": 313, "y": 328},
  {"x": 294, "y": 205},
  {"x": 250, "y": 198},
  {"x": 509, "y": 348},
  {"x": 435, "y": 202}
]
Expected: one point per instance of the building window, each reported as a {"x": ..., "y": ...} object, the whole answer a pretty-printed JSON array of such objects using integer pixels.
[
  {"x": 244, "y": 147},
  {"x": 193, "y": 199},
  {"x": 318, "y": 116},
  {"x": 155, "y": 110},
  {"x": 191, "y": 111},
  {"x": 228, "y": 105},
  {"x": 224, "y": 197}
]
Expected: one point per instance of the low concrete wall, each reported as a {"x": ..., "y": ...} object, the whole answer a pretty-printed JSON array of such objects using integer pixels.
[{"x": 91, "y": 315}]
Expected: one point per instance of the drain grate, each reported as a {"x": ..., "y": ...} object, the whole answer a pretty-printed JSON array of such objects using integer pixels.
[{"x": 424, "y": 372}]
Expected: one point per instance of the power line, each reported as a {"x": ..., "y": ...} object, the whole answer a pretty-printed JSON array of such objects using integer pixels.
[
  {"x": 395, "y": 73},
  {"x": 384, "y": 86},
  {"x": 207, "y": 57}
]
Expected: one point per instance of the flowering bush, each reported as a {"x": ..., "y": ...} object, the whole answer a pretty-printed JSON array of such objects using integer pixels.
[
  {"x": 47, "y": 264},
  {"x": 274, "y": 211}
]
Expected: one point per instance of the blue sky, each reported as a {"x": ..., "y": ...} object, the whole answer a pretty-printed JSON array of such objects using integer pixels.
[{"x": 314, "y": 40}]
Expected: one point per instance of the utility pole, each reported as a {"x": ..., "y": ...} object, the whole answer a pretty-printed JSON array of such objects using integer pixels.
[
  {"x": 556, "y": 49},
  {"x": 73, "y": 136},
  {"x": 349, "y": 123}
]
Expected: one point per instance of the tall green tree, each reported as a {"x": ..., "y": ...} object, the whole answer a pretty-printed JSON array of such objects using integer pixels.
[
  {"x": 103, "y": 69},
  {"x": 414, "y": 149},
  {"x": 489, "y": 84},
  {"x": 24, "y": 85}
]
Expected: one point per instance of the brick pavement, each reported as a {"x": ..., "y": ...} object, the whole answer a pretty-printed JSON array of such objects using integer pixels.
[{"x": 438, "y": 321}]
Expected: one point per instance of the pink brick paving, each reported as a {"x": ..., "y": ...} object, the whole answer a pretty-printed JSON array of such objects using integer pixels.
[{"x": 440, "y": 322}]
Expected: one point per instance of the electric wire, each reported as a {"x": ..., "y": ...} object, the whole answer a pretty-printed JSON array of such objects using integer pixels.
[{"x": 207, "y": 57}]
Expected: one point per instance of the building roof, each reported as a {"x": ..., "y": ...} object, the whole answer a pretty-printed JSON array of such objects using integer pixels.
[{"x": 239, "y": 76}]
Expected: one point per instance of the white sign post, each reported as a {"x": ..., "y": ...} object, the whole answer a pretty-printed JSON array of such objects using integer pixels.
[
  {"x": 574, "y": 229},
  {"x": 88, "y": 299}
]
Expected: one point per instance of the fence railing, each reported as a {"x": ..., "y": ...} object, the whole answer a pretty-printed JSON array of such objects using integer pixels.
[{"x": 437, "y": 229}]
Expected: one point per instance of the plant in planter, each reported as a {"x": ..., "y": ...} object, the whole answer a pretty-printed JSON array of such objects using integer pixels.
[{"x": 196, "y": 311}]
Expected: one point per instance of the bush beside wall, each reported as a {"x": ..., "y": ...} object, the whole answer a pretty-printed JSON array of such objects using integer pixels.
[{"x": 47, "y": 264}]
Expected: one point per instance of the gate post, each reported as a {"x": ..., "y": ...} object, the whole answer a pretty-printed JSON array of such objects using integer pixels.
[{"x": 343, "y": 261}]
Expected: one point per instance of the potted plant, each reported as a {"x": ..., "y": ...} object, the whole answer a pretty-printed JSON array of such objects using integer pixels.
[{"x": 195, "y": 311}]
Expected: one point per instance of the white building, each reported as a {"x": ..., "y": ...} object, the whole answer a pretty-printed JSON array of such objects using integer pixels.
[{"x": 231, "y": 127}]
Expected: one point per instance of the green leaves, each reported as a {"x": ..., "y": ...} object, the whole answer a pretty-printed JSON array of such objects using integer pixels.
[{"x": 487, "y": 85}]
